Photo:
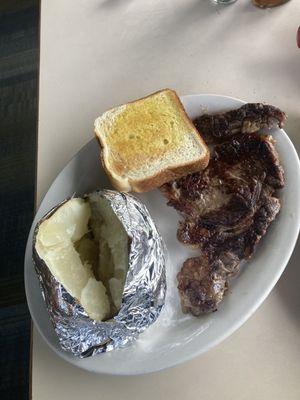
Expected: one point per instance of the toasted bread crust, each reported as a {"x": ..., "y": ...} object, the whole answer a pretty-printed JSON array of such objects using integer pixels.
[
  {"x": 189, "y": 121},
  {"x": 126, "y": 184},
  {"x": 157, "y": 180},
  {"x": 169, "y": 174}
]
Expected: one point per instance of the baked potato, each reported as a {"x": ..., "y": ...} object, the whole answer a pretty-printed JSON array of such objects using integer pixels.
[{"x": 91, "y": 256}]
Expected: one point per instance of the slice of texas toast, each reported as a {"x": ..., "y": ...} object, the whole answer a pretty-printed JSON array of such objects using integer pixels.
[{"x": 149, "y": 142}]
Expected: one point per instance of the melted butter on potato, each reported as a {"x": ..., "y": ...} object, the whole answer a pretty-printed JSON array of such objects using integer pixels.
[{"x": 85, "y": 247}]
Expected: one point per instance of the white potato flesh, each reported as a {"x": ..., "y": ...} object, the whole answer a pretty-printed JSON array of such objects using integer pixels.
[
  {"x": 65, "y": 264},
  {"x": 113, "y": 232},
  {"x": 113, "y": 238},
  {"x": 69, "y": 222},
  {"x": 72, "y": 255},
  {"x": 55, "y": 245},
  {"x": 116, "y": 287},
  {"x": 94, "y": 300}
]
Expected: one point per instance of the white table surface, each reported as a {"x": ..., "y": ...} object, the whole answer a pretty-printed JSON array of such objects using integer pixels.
[{"x": 99, "y": 53}]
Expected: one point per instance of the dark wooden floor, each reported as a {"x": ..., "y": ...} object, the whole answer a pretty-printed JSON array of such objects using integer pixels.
[{"x": 18, "y": 122}]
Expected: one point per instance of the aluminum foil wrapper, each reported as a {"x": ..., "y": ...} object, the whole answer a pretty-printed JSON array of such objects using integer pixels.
[{"x": 144, "y": 290}]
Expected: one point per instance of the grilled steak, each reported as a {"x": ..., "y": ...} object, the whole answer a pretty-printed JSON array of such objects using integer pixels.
[
  {"x": 221, "y": 201},
  {"x": 202, "y": 282},
  {"x": 227, "y": 208},
  {"x": 249, "y": 118},
  {"x": 240, "y": 239}
]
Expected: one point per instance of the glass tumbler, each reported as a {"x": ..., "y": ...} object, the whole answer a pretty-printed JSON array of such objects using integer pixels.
[{"x": 224, "y": 1}]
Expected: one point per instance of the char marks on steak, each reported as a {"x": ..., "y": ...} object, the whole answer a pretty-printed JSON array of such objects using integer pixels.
[
  {"x": 202, "y": 282},
  {"x": 240, "y": 239},
  {"x": 249, "y": 118},
  {"x": 221, "y": 201},
  {"x": 227, "y": 208}
]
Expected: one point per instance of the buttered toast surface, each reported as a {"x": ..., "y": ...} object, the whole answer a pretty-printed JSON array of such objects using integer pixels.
[{"x": 149, "y": 142}]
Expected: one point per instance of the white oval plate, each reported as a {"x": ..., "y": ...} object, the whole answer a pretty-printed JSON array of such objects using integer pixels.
[{"x": 175, "y": 337}]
